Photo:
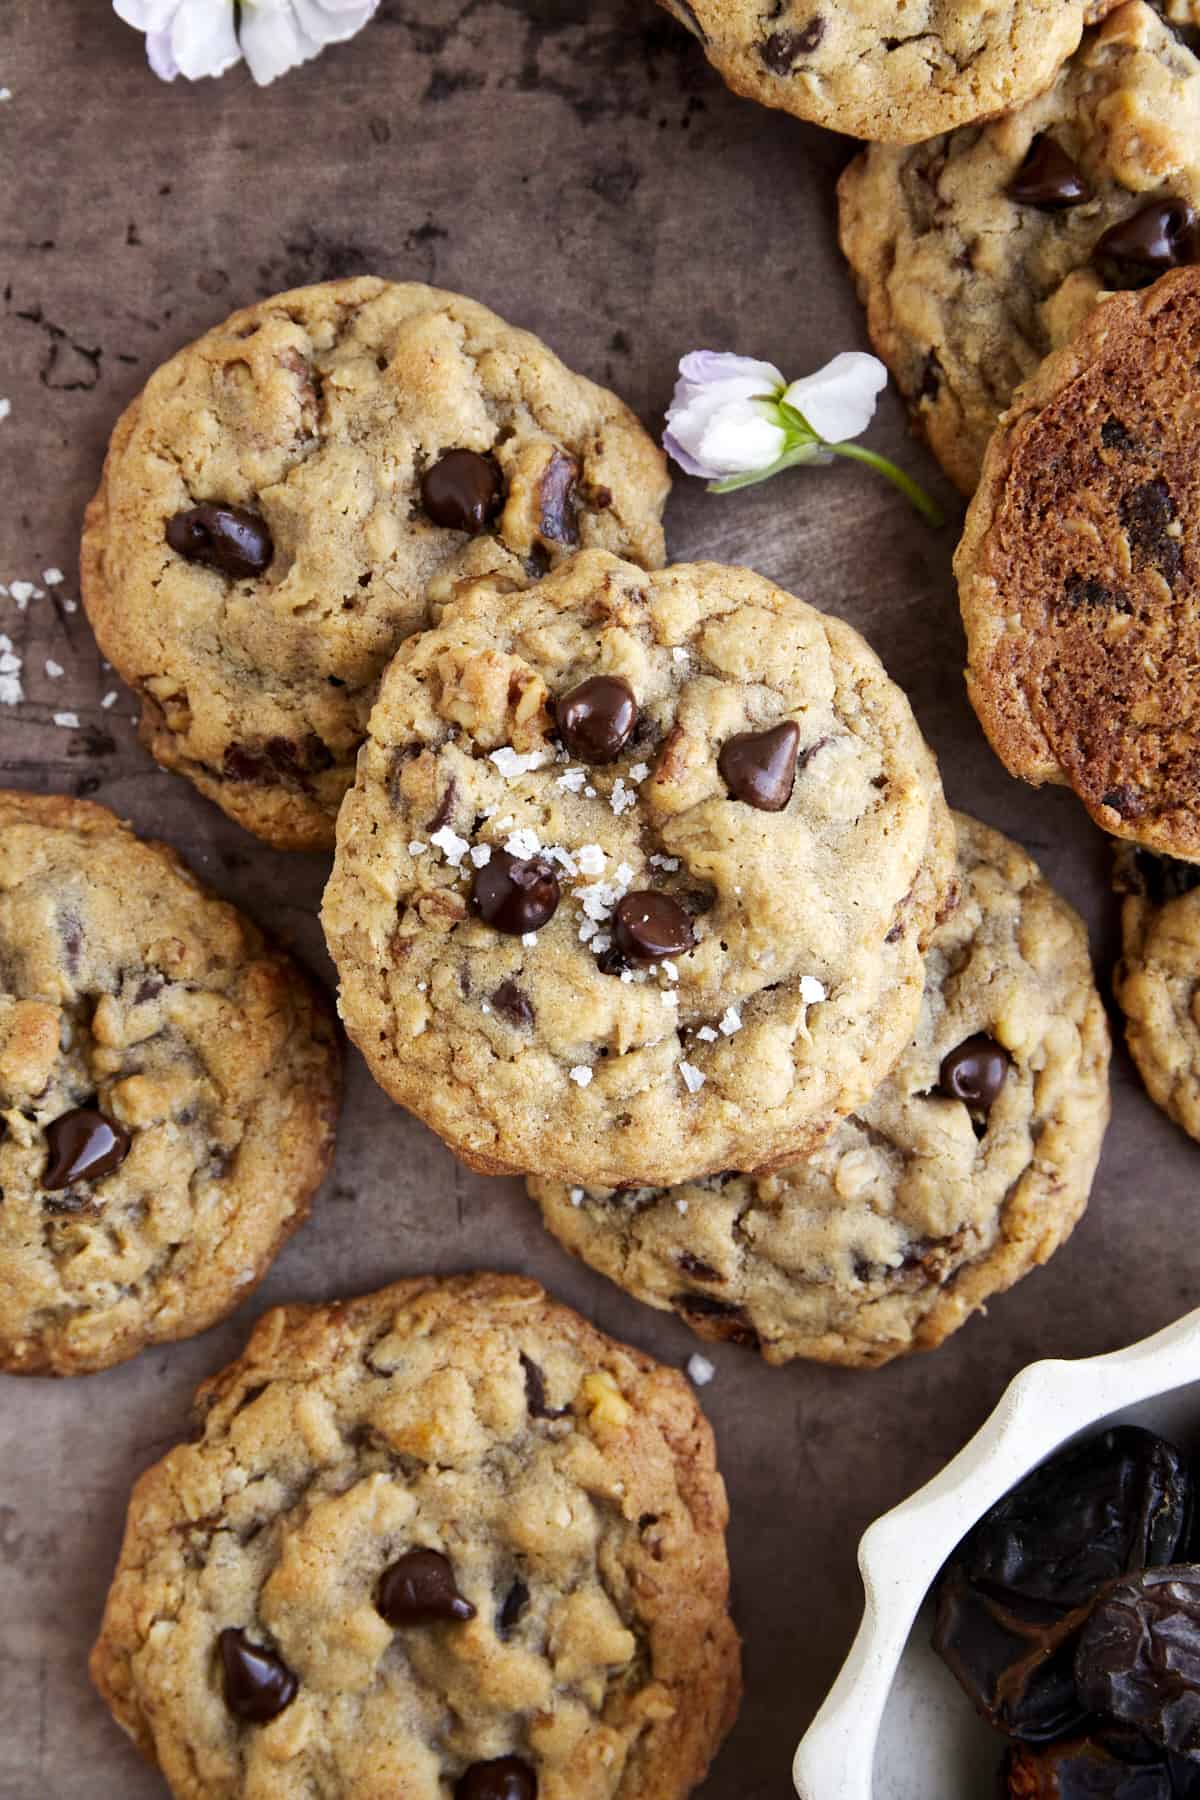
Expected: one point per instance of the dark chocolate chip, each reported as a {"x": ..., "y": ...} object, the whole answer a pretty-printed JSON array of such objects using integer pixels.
[
  {"x": 975, "y": 1072},
  {"x": 783, "y": 49},
  {"x": 231, "y": 539},
  {"x": 445, "y": 807},
  {"x": 515, "y": 894},
  {"x": 512, "y": 1606},
  {"x": 597, "y": 719},
  {"x": 277, "y": 760},
  {"x": 721, "y": 1318},
  {"x": 1048, "y": 178},
  {"x": 648, "y": 927},
  {"x": 1082, "y": 591},
  {"x": 1159, "y": 878},
  {"x": 556, "y": 500},
  {"x": 1146, "y": 514},
  {"x": 420, "y": 1589},
  {"x": 462, "y": 491},
  {"x": 699, "y": 1271},
  {"x": 83, "y": 1145},
  {"x": 515, "y": 1006},
  {"x": 258, "y": 1684},
  {"x": 759, "y": 767},
  {"x": 505, "y": 1778},
  {"x": 535, "y": 1392},
  {"x": 1114, "y": 436},
  {"x": 1160, "y": 236}
]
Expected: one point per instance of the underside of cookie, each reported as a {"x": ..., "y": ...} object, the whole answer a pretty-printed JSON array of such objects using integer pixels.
[
  {"x": 636, "y": 873},
  {"x": 446, "y": 1538},
  {"x": 1079, "y": 577},
  {"x": 1156, "y": 983},
  {"x": 968, "y": 1167},
  {"x": 978, "y": 253},
  {"x": 885, "y": 70},
  {"x": 169, "y": 1085},
  {"x": 284, "y": 499}
]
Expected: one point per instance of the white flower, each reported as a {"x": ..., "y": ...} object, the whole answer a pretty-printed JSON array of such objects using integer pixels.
[
  {"x": 205, "y": 37},
  {"x": 734, "y": 421}
]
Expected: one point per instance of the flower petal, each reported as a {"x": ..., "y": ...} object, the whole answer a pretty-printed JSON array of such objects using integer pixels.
[
  {"x": 700, "y": 368},
  {"x": 203, "y": 40},
  {"x": 838, "y": 401},
  {"x": 146, "y": 15},
  {"x": 738, "y": 439}
]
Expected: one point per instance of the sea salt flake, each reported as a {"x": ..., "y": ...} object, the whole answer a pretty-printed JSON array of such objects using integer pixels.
[
  {"x": 529, "y": 939},
  {"x": 669, "y": 969},
  {"x": 812, "y": 991},
  {"x": 68, "y": 720},
  {"x": 639, "y": 771},
  {"x": 523, "y": 843},
  {"x": 572, "y": 780},
  {"x": 590, "y": 792},
  {"x": 707, "y": 1035},
  {"x": 587, "y": 930},
  {"x": 22, "y": 592},
  {"x": 511, "y": 763},
  {"x": 600, "y": 943},
  {"x": 700, "y": 1370},
  {"x": 679, "y": 653},
  {"x": 110, "y": 699},
  {"x": 504, "y": 824},
  {"x": 53, "y": 577},
  {"x": 5, "y": 94},
  {"x": 668, "y": 864},
  {"x": 564, "y": 858},
  {"x": 581, "y": 1075},
  {"x": 627, "y": 976},
  {"x": 624, "y": 875},
  {"x": 481, "y": 855},
  {"x": 70, "y": 606},
  {"x": 681, "y": 1207},
  {"x": 621, "y": 798},
  {"x": 417, "y": 848},
  {"x": 576, "y": 1196},
  {"x": 731, "y": 1022},
  {"x": 669, "y": 997},
  {"x": 485, "y": 1007},
  {"x": 693, "y": 1080},
  {"x": 54, "y": 669},
  {"x": 11, "y": 691},
  {"x": 591, "y": 859},
  {"x": 5, "y": 408},
  {"x": 452, "y": 847}
]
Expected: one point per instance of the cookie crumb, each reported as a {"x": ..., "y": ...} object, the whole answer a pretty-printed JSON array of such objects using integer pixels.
[{"x": 700, "y": 1370}]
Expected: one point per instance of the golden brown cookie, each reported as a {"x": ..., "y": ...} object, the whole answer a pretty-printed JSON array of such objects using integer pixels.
[
  {"x": 1157, "y": 980},
  {"x": 281, "y": 499},
  {"x": 636, "y": 873},
  {"x": 893, "y": 71},
  {"x": 1079, "y": 577},
  {"x": 979, "y": 252},
  {"x": 169, "y": 1085},
  {"x": 447, "y": 1539},
  {"x": 968, "y": 1167}
]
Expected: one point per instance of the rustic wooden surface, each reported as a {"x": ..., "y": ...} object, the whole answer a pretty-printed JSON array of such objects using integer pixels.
[{"x": 576, "y": 165}]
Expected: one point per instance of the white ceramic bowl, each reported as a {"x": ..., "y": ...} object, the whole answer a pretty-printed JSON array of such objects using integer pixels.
[{"x": 896, "y": 1725}]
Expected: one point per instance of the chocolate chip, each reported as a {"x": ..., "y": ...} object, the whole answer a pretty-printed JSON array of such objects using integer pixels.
[
  {"x": 420, "y": 1589},
  {"x": 258, "y": 1684},
  {"x": 975, "y": 1072},
  {"x": 1082, "y": 591},
  {"x": 515, "y": 894},
  {"x": 783, "y": 49},
  {"x": 1048, "y": 178},
  {"x": 556, "y": 499},
  {"x": 648, "y": 927},
  {"x": 1138, "y": 249},
  {"x": 513, "y": 1605},
  {"x": 505, "y": 1778},
  {"x": 83, "y": 1145},
  {"x": 1146, "y": 514},
  {"x": 1159, "y": 878},
  {"x": 276, "y": 761},
  {"x": 699, "y": 1271},
  {"x": 720, "y": 1318},
  {"x": 597, "y": 719},
  {"x": 462, "y": 491},
  {"x": 231, "y": 539},
  {"x": 759, "y": 767},
  {"x": 445, "y": 807},
  {"x": 535, "y": 1392},
  {"x": 516, "y": 1006},
  {"x": 1114, "y": 436}
]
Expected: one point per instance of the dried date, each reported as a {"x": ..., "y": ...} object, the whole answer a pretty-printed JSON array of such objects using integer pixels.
[
  {"x": 1103, "y": 1766},
  {"x": 1138, "y": 1659}
]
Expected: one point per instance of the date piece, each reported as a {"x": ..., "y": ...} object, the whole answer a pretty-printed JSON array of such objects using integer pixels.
[
  {"x": 1138, "y": 1659},
  {"x": 1102, "y": 1766}
]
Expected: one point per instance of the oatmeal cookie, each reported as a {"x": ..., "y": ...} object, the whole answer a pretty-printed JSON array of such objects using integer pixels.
[{"x": 1157, "y": 980}]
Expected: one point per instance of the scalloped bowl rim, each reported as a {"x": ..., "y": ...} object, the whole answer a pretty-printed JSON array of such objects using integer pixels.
[{"x": 1043, "y": 1407}]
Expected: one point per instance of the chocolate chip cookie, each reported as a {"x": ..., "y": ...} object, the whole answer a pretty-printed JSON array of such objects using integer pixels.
[
  {"x": 446, "y": 1540},
  {"x": 1157, "y": 980},
  {"x": 978, "y": 253},
  {"x": 1078, "y": 576},
  {"x": 281, "y": 499},
  {"x": 168, "y": 1084},
  {"x": 969, "y": 1165},
  {"x": 635, "y": 876},
  {"x": 888, "y": 70}
]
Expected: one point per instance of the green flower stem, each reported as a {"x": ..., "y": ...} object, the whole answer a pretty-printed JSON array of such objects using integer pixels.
[{"x": 912, "y": 491}]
